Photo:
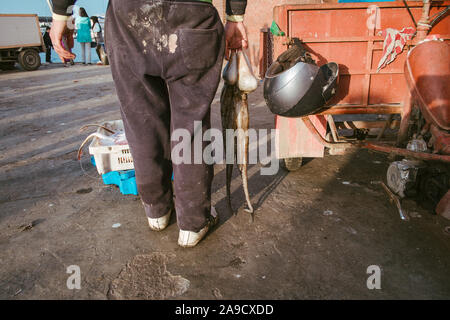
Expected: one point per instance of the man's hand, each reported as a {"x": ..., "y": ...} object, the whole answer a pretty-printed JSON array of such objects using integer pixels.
[
  {"x": 235, "y": 37},
  {"x": 58, "y": 30},
  {"x": 70, "y": 42}
]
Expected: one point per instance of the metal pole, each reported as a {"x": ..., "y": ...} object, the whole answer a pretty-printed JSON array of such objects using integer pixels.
[{"x": 423, "y": 26}]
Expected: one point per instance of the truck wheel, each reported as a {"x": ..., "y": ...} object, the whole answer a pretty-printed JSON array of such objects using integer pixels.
[
  {"x": 291, "y": 164},
  {"x": 7, "y": 65},
  {"x": 29, "y": 59}
]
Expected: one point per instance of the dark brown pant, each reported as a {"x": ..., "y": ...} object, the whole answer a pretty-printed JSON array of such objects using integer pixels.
[
  {"x": 166, "y": 58},
  {"x": 48, "y": 54}
]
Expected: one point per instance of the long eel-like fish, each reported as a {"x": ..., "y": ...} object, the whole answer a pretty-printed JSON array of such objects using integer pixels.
[{"x": 238, "y": 81}]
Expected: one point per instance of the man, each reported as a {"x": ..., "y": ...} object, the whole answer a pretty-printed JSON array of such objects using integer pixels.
[
  {"x": 48, "y": 45},
  {"x": 166, "y": 58}
]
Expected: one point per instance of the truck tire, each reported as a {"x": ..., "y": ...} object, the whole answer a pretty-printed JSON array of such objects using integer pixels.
[
  {"x": 291, "y": 164},
  {"x": 7, "y": 65},
  {"x": 29, "y": 59}
]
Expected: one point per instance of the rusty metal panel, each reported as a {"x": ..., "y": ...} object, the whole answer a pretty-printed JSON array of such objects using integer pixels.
[
  {"x": 350, "y": 35},
  {"x": 295, "y": 140}
]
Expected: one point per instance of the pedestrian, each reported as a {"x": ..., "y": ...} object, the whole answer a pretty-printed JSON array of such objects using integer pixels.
[
  {"x": 65, "y": 45},
  {"x": 83, "y": 26},
  {"x": 69, "y": 38},
  {"x": 166, "y": 58},
  {"x": 68, "y": 43},
  {"x": 97, "y": 34},
  {"x": 48, "y": 45}
]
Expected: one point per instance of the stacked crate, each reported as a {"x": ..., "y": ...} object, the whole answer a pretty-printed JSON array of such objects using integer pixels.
[{"x": 114, "y": 162}]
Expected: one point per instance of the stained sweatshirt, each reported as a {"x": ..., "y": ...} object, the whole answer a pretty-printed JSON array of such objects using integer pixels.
[{"x": 233, "y": 7}]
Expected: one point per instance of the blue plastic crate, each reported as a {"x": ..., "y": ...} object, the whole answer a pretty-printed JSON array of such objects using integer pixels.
[{"x": 125, "y": 180}]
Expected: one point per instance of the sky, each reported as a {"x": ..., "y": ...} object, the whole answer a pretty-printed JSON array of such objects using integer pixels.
[{"x": 40, "y": 7}]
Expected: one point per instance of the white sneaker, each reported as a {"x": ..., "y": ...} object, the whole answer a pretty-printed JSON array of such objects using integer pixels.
[
  {"x": 189, "y": 239},
  {"x": 158, "y": 224}
]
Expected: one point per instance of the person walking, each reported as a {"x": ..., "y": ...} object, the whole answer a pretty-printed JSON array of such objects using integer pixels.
[
  {"x": 98, "y": 37},
  {"x": 166, "y": 59},
  {"x": 48, "y": 45},
  {"x": 83, "y": 26},
  {"x": 68, "y": 43}
]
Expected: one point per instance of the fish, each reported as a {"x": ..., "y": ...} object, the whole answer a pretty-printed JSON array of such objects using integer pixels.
[
  {"x": 238, "y": 82},
  {"x": 228, "y": 115}
]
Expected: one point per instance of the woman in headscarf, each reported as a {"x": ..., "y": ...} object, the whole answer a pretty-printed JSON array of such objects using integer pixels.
[
  {"x": 98, "y": 37},
  {"x": 83, "y": 26}
]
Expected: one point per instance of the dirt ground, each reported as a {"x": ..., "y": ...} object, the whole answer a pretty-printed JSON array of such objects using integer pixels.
[{"x": 316, "y": 230}]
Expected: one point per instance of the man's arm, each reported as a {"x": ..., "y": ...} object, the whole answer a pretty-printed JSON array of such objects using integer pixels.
[
  {"x": 60, "y": 7},
  {"x": 61, "y": 14},
  {"x": 235, "y": 8},
  {"x": 235, "y": 33}
]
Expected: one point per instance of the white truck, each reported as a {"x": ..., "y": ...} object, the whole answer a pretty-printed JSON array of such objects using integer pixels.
[{"x": 20, "y": 41}]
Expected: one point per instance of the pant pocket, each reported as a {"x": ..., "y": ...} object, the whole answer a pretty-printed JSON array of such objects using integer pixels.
[{"x": 199, "y": 48}]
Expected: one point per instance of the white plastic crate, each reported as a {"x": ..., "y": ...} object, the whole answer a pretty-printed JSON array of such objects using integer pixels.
[{"x": 110, "y": 157}]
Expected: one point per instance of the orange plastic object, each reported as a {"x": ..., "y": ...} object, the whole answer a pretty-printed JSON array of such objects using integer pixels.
[{"x": 427, "y": 72}]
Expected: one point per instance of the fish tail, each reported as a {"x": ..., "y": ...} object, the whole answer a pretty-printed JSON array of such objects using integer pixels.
[
  {"x": 245, "y": 186},
  {"x": 229, "y": 172}
]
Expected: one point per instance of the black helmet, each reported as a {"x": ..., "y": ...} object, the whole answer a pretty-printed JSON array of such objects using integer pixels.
[{"x": 301, "y": 89}]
